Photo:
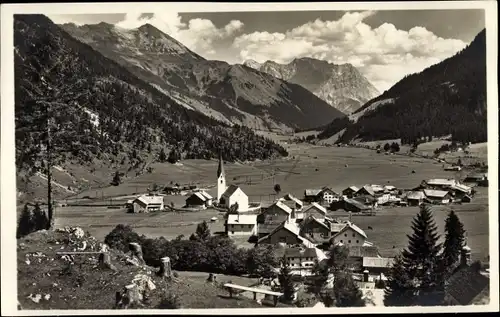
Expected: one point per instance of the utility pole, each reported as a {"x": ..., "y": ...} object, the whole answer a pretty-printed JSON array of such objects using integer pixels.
[{"x": 49, "y": 168}]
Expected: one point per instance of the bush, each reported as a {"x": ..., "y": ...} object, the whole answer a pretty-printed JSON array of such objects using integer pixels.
[
  {"x": 120, "y": 237},
  {"x": 169, "y": 301},
  {"x": 380, "y": 284}
]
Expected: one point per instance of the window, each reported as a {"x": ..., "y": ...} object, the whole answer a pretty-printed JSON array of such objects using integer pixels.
[
  {"x": 353, "y": 235},
  {"x": 349, "y": 241},
  {"x": 357, "y": 241},
  {"x": 345, "y": 234},
  {"x": 341, "y": 241},
  {"x": 232, "y": 232}
]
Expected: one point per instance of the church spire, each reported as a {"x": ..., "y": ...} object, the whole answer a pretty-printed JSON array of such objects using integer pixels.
[{"x": 220, "y": 170}]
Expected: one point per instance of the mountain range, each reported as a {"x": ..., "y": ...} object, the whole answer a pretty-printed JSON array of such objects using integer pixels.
[
  {"x": 448, "y": 98},
  {"x": 342, "y": 86},
  {"x": 229, "y": 93},
  {"x": 101, "y": 116}
]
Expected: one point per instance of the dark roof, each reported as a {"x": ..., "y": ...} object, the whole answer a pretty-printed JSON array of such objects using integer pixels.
[
  {"x": 367, "y": 189},
  {"x": 267, "y": 227},
  {"x": 466, "y": 284},
  {"x": 220, "y": 170},
  {"x": 230, "y": 190},
  {"x": 357, "y": 204},
  {"x": 363, "y": 251}
]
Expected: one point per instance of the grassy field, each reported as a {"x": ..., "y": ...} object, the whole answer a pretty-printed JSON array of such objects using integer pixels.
[{"x": 306, "y": 167}]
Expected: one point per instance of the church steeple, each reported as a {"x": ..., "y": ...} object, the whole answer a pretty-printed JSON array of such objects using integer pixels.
[
  {"x": 221, "y": 178},
  {"x": 220, "y": 170}
]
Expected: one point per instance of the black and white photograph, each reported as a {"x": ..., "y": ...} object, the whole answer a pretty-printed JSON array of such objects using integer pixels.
[{"x": 217, "y": 157}]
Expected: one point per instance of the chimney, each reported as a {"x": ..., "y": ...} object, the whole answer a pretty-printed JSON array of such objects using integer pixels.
[
  {"x": 365, "y": 276},
  {"x": 350, "y": 216}
]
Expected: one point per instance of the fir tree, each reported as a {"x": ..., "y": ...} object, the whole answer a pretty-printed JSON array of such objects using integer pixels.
[
  {"x": 31, "y": 220},
  {"x": 286, "y": 281},
  {"x": 399, "y": 290},
  {"x": 422, "y": 259},
  {"x": 162, "y": 157},
  {"x": 454, "y": 239},
  {"x": 116, "y": 179}
]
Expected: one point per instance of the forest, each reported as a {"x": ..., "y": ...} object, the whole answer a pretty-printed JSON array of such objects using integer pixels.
[
  {"x": 91, "y": 107},
  {"x": 446, "y": 98}
]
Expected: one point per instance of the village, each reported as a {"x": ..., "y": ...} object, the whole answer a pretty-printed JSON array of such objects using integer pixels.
[{"x": 305, "y": 229}]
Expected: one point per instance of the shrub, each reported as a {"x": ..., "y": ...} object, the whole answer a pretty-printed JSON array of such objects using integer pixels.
[
  {"x": 169, "y": 301},
  {"x": 120, "y": 237}
]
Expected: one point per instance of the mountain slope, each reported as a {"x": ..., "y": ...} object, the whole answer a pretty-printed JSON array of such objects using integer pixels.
[
  {"x": 342, "y": 86},
  {"x": 102, "y": 114},
  {"x": 446, "y": 98},
  {"x": 230, "y": 93}
]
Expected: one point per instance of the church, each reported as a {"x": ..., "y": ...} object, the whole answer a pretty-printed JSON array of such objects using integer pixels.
[{"x": 229, "y": 196}]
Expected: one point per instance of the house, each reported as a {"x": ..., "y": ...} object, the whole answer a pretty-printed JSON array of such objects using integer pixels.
[
  {"x": 312, "y": 195},
  {"x": 366, "y": 190},
  {"x": 327, "y": 196},
  {"x": 286, "y": 233},
  {"x": 350, "y": 235},
  {"x": 298, "y": 204},
  {"x": 355, "y": 206},
  {"x": 377, "y": 189},
  {"x": 466, "y": 199},
  {"x": 467, "y": 286},
  {"x": 200, "y": 199},
  {"x": 316, "y": 230},
  {"x": 241, "y": 225},
  {"x": 315, "y": 210},
  {"x": 475, "y": 178},
  {"x": 350, "y": 191},
  {"x": 234, "y": 194},
  {"x": 147, "y": 203},
  {"x": 390, "y": 189},
  {"x": 377, "y": 265},
  {"x": 271, "y": 217},
  {"x": 437, "y": 196},
  {"x": 415, "y": 198},
  {"x": 358, "y": 253},
  {"x": 439, "y": 183},
  {"x": 300, "y": 259},
  {"x": 460, "y": 190}
]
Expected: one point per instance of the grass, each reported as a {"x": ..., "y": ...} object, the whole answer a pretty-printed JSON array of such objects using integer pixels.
[{"x": 306, "y": 167}]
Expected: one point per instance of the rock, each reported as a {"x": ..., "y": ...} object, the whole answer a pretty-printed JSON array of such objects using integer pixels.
[
  {"x": 47, "y": 296},
  {"x": 36, "y": 298},
  {"x": 144, "y": 282},
  {"x": 132, "y": 261},
  {"x": 28, "y": 261}
]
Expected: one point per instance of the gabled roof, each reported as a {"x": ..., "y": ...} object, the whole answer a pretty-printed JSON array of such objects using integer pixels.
[
  {"x": 441, "y": 182},
  {"x": 353, "y": 188},
  {"x": 363, "y": 251},
  {"x": 368, "y": 189},
  {"x": 352, "y": 226},
  {"x": 376, "y": 188},
  {"x": 312, "y": 192},
  {"x": 415, "y": 195},
  {"x": 435, "y": 193},
  {"x": 317, "y": 207},
  {"x": 466, "y": 284},
  {"x": 147, "y": 199},
  {"x": 283, "y": 207},
  {"x": 461, "y": 187},
  {"x": 336, "y": 227},
  {"x": 296, "y": 252},
  {"x": 292, "y": 228},
  {"x": 242, "y": 219},
  {"x": 207, "y": 196},
  {"x": 357, "y": 204},
  {"x": 377, "y": 262},
  {"x": 390, "y": 187},
  {"x": 293, "y": 198},
  {"x": 200, "y": 196},
  {"x": 328, "y": 189},
  {"x": 314, "y": 219},
  {"x": 230, "y": 191}
]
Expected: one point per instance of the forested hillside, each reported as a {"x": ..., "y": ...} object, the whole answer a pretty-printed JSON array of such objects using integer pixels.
[
  {"x": 98, "y": 110},
  {"x": 446, "y": 98}
]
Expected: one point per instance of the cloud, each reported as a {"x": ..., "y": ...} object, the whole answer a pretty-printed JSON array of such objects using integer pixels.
[
  {"x": 384, "y": 54},
  {"x": 199, "y": 35}
]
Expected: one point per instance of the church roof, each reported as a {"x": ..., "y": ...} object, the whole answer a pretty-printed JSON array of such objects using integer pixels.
[
  {"x": 220, "y": 169},
  {"x": 230, "y": 190}
]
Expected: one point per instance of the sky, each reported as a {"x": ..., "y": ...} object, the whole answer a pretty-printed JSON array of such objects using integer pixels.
[{"x": 384, "y": 45}]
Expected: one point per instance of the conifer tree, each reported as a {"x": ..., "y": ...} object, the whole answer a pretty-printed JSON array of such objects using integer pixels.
[
  {"x": 421, "y": 260},
  {"x": 203, "y": 231},
  {"x": 454, "y": 239},
  {"x": 399, "y": 290},
  {"x": 162, "y": 157},
  {"x": 346, "y": 292}
]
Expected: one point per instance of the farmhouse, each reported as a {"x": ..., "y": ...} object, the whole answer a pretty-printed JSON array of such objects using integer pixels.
[
  {"x": 461, "y": 190},
  {"x": 147, "y": 203},
  {"x": 439, "y": 183},
  {"x": 315, "y": 230},
  {"x": 437, "y": 196},
  {"x": 390, "y": 189},
  {"x": 350, "y": 191},
  {"x": 199, "y": 199},
  {"x": 234, "y": 195},
  {"x": 286, "y": 233},
  {"x": 298, "y": 204},
  {"x": 354, "y": 206},
  {"x": 327, "y": 196},
  {"x": 366, "y": 190},
  {"x": 300, "y": 259},
  {"x": 350, "y": 235},
  {"x": 312, "y": 195},
  {"x": 315, "y": 210},
  {"x": 377, "y": 265},
  {"x": 237, "y": 225},
  {"x": 272, "y": 217},
  {"x": 415, "y": 198},
  {"x": 475, "y": 178}
]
